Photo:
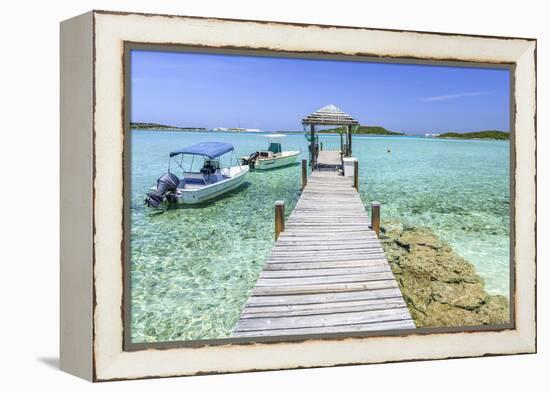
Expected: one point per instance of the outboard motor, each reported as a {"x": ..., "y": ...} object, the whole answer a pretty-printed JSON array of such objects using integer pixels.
[
  {"x": 251, "y": 160},
  {"x": 167, "y": 185}
]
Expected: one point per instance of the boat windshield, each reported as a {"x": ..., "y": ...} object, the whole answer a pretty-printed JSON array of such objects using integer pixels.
[
  {"x": 191, "y": 163},
  {"x": 275, "y": 147}
]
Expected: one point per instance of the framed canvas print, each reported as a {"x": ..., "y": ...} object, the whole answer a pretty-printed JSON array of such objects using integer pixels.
[{"x": 247, "y": 195}]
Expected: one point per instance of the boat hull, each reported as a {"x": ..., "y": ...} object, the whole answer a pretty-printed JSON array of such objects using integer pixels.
[
  {"x": 211, "y": 191},
  {"x": 277, "y": 162}
]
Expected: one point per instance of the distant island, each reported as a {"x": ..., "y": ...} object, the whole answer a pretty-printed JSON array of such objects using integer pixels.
[
  {"x": 489, "y": 134},
  {"x": 162, "y": 127},
  {"x": 360, "y": 130},
  {"x": 365, "y": 130}
]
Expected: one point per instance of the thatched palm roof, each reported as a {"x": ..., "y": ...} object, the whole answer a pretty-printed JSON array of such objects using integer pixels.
[{"x": 330, "y": 115}]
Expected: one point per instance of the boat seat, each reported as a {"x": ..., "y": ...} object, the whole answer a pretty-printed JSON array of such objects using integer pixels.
[
  {"x": 209, "y": 167},
  {"x": 193, "y": 177}
]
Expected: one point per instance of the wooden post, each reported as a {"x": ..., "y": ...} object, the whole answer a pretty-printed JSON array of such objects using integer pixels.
[
  {"x": 342, "y": 142},
  {"x": 346, "y": 145},
  {"x": 321, "y": 145},
  {"x": 349, "y": 141},
  {"x": 375, "y": 217},
  {"x": 313, "y": 147},
  {"x": 279, "y": 218},
  {"x": 304, "y": 173},
  {"x": 356, "y": 175}
]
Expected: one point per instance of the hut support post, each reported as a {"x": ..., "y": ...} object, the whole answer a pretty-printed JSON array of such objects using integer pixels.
[
  {"x": 356, "y": 175},
  {"x": 304, "y": 174},
  {"x": 313, "y": 146},
  {"x": 349, "y": 140},
  {"x": 346, "y": 141},
  {"x": 375, "y": 217},
  {"x": 279, "y": 218}
]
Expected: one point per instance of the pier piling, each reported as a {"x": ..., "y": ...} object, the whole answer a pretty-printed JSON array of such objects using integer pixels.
[
  {"x": 304, "y": 174},
  {"x": 375, "y": 217},
  {"x": 279, "y": 218},
  {"x": 356, "y": 175}
]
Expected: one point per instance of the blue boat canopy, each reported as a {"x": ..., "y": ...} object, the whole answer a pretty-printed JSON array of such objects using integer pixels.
[{"x": 209, "y": 149}]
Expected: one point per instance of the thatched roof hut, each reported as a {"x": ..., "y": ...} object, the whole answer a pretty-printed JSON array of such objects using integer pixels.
[{"x": 330, "y": 115}]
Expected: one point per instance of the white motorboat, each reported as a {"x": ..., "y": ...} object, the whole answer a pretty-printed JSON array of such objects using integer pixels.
[
  {"x": 211, "y": 181},
  {"x": 273, "y": 157}
]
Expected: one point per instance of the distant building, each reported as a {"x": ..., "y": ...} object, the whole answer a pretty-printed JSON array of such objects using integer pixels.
[{"x": 237, "y": 129}]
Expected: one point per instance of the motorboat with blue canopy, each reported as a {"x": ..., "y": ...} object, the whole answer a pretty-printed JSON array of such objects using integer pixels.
[
  {"x": 210, "y": 181},
  {"x": 211, "y": 150}
]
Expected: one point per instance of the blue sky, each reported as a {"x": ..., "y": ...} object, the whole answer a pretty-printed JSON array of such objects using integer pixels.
[{"x": 208, "y": 90}]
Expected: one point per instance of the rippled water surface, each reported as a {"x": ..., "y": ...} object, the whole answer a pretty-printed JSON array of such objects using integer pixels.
[{"x": 193, "y": 267}]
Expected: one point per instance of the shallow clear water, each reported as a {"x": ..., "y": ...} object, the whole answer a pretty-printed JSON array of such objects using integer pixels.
[{"x": 193, "y": 267}]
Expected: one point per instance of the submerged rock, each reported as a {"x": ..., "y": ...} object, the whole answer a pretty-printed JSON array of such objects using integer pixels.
[{"x": 439, "y": 286}]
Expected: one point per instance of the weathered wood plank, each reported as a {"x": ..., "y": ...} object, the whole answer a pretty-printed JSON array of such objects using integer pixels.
[
  {"x": 323, "y": 288},
  {"x": 322, "y": 308},
  {"x": 322, "y": 239},
  {"x": 323, "y": 255},
  {"x": 324, "y": 279},
  {"x": 337, "y": 219},
  {"x": 379, "y": 268},
  {"x": 304, "y": 246},
  {"x": 371, "y": 263},
  {"x": 326, "y": 258},
  {"x": 271, "y": 300},
  {"x": 356, "y": 328},
  {"x": 327, "y": 250},
  {"x": 326, "y": 228},
  {"x": 304, "y": 256},
  {"x": 372, "y": 303},
  {"x": 357, "y": 235},
  {"x": 323, "y": 222},
  {"x": 312, "y": 241},
  {"x": 349, "y": 318}
]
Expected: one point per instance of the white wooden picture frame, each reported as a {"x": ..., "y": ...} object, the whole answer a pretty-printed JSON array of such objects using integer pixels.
[{"x": 92, "y": 223}]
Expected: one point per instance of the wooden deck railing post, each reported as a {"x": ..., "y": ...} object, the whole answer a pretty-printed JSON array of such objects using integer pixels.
[
  {"x": 304, "y": 174},
  {"x": 321, "y": 145},
  {"x": 356, "y": 175},
  {"x": 279, "y": 218},
  {"x": 375, "y": 217}
]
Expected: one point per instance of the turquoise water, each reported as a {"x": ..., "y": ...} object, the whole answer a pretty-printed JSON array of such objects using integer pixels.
[{"x": 193, "y": 267}]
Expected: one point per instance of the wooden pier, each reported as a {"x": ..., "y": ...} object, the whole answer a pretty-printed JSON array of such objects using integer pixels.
[{"x": 327, "y": 272}]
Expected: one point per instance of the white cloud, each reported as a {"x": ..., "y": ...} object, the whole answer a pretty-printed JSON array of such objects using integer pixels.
[{"x": 453, "y": 96}]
